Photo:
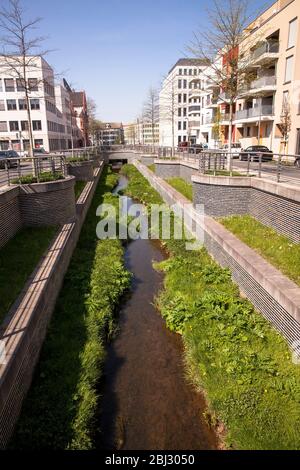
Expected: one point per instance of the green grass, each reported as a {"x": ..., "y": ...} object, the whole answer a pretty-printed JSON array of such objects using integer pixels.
[
  {"x": 18, "y": 259},
  {"x": 223, "y": 173},
  {"x": 61, "y": 409},
  {"x": 277, "y": 249},
  {"x": 79, "y": 187},
  {"x": 182, "y": 186},
  {"x": 232, "y": 353},
  {"x": 44, "y": 177},
  {"x": 152, "y": 167}
]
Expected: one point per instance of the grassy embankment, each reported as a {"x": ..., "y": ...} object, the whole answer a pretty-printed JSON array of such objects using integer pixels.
[
  {"x": 182, "y": 186},
  {"x": 232, "y": 353},
  {"x": 78, "y": 188},
  {"x": 275, "y": 248},
  {"x": 61, "y": 408},
  {"x": 18, "y": 258}
]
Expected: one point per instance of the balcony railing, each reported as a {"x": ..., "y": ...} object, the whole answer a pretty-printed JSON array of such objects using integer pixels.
[
  {"x": 194, "y": 124},
  {"x": 265, "y": 48},
  {"x": 260, "y": 83},
  {"x": 257, "y": 111},
  {"x": 194, "y": 108}
]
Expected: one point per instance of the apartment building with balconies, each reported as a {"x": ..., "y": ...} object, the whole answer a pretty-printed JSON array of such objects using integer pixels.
[
  {"x": 274, "y": 69},
  {"x": 50, "y": 110}
]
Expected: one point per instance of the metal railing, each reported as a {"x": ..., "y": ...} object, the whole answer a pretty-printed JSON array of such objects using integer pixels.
[
  {"x": 264, "y": 110},
  {"x": 34, "y": 169},
  {"x": 266, "y": 48}
]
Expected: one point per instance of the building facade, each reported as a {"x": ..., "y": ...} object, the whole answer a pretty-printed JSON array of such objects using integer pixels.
[
  {"x": 267, "y": 109},
  {"x": 111, "y": 133},
  {"x": 52, "y": 116}
]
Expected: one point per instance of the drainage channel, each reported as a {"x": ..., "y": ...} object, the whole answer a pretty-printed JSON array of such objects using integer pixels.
[{"x": 147, "y": 404}]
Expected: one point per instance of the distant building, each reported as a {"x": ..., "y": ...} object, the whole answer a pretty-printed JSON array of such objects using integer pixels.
[
  {"x": 79, "y": 103},
  {"x": 111, "y": 133},
  {"x": 53, "y": 124},
  {"x": 141, "y": 133}
]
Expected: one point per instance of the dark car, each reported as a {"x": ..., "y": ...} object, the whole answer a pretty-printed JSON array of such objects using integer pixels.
[
  {"x": 254, "y": 152},
  {"x": 297, "y": 162},
  {"x": 7, "y": 156},
  {"x": 196, "y": 148}
]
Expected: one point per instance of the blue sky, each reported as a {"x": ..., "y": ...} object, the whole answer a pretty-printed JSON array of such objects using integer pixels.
[{"x": 117, "y": 49}]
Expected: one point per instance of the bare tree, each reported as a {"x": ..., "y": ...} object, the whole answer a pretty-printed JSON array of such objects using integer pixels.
[
  {"x": 219, "y": 46},
  {"x": 285, "y": 123},
  {"x": 20, "y": 52},
  {"x": 95, "y": 127},
  {"x": 151, "y": 111},
  {"x": 168, "y": 105}
]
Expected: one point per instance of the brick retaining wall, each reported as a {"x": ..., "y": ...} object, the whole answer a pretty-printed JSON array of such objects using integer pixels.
[
  {"x": 11, "y": 219},
  {"x": 25, "y": 326},
  {"x": 83, "y": 171}
]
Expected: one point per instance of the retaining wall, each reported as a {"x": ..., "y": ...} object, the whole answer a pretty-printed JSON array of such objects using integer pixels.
[
  {"x": 83, "y": 171},
  {"x": 275, "y": 205},
  {"x": 10, "y": 213},
  {"x": 24, "y": 329},
  {"x": 272, "y": 293}
]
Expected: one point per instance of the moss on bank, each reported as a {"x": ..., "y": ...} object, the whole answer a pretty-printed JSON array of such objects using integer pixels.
[
  {"x": 232, "y": 353},
  {"x": 61, "y": 407}
]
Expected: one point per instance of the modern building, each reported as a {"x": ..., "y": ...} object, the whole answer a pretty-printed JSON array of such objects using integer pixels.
[
  {"x": 274, "y": 92},
  {"x": 53, "y": 124},
  {"x": 111, "y": 133},
  {"x": 180, "y": 103}
]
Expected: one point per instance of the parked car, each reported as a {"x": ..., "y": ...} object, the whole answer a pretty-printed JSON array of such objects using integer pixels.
[
  {"x": 196, "y": 148},
  {"x": 297, "y": 162},
  {"x": 183, "y": 146},
  {"x": 236, "y": 149},
  {"x": 36, "y": 152},
  {"x": 255, "y": 151},
  {"x": 6, "y": 156}
]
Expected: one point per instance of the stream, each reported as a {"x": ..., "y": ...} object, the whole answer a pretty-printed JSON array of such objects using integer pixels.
[{"x": 147, "y": 404}]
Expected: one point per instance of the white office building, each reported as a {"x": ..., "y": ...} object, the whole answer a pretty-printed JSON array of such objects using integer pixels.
[{"x": 53, "y": 125}]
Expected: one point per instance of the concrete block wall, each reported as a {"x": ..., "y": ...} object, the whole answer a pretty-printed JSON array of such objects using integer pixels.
[
  {"x": 25, "y": 326},
  {"x": 222, "y": 201},
  {"x": 10, "y": 215},
  {"x": 83, "y": 171}
]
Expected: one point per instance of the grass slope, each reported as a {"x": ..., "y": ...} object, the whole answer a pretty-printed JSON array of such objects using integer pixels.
[
  {"x": 232, "y": 353},
  {"x": 182, "y": 186},
  {"x": 62, "y": 404},
  {"x": 18, "y": 259},
  {"x": 275, "y": 248}
]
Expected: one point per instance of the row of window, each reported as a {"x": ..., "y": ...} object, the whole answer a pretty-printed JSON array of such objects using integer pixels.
[
  {"x": 16, "y": 144},
  {"x": 21, "y": 105},
  {"x": 12, "y": 85},
  {"x": 56, "y": 127},
  {"x": 189, "y": 71},
  {"x": 15, "y": 126},
  {"x": 182, "y": 125}
]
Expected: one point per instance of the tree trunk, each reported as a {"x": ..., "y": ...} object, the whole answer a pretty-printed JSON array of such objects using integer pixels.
[{"x": 229, "y": 156}]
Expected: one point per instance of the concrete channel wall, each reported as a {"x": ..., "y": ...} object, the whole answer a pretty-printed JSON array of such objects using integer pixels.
[
  {"x": 272, "y": 293},
  {"x": 276, "y": 205},
  {"x": 24, "y": 328}
]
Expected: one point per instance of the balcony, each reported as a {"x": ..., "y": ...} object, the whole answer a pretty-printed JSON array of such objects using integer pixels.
[
  {"x": 262, "y": 112},
  {"x": 212, "y": 102},
  {"x": 260, "y": 87},
  {"x": 223, "y": 98},
  {"x": 265, "y": 54},
  {"x": 194, "y": 124},
  {"x": 225, "y": 118},
  {"x": 196, "y": 92},
  {"x": 194, "y": 109}
]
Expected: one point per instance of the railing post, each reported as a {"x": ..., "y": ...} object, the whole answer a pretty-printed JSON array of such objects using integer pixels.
[
  {"x": 215, "y": 164},
  {"x": 259, "y": 164},
  {"x": 279, "y": 168},
  {"x": 248, "y": 164}
]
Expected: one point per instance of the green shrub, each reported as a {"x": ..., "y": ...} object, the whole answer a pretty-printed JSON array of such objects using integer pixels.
[{"x": 44, "y": 177}]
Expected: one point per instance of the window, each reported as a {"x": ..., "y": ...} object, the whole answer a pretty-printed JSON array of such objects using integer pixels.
[
  {"x": 190, "y": 71},
  {"x": 179, "y": 112},
  {"x": 180, "y": 71},
  {"x": 24, "y": 126},
  {"x": 179, "y": 98},
  {"x": 33, "y": 84},
  {"x": 248, "y": 131},
  {"x": 36, "y": 125},
  {"x": 2, "y": 105},
  {"x": 184, "y": 98},
  {"x": 184, "y": 83},
  {"x": 11, "y": 105},
  {"x": 3, "y": 126},
  {"x": 289, "y": 69},
  {"x": 179, "y": 83},
  {"x": 184, "y": 111},
  {"x": 185, "y": 72},
  {"x": 20, "y": 84},
  {"x": 179, "y": 125},
  {"x": 13, "y": 126},
  {"x": 292, "y": 33},
  {"x": 35, "y": 104},
  {"x": 285, "y": 99},
  {"x": 9, "y": 84},
  {"x": 22, "y": 105}
]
